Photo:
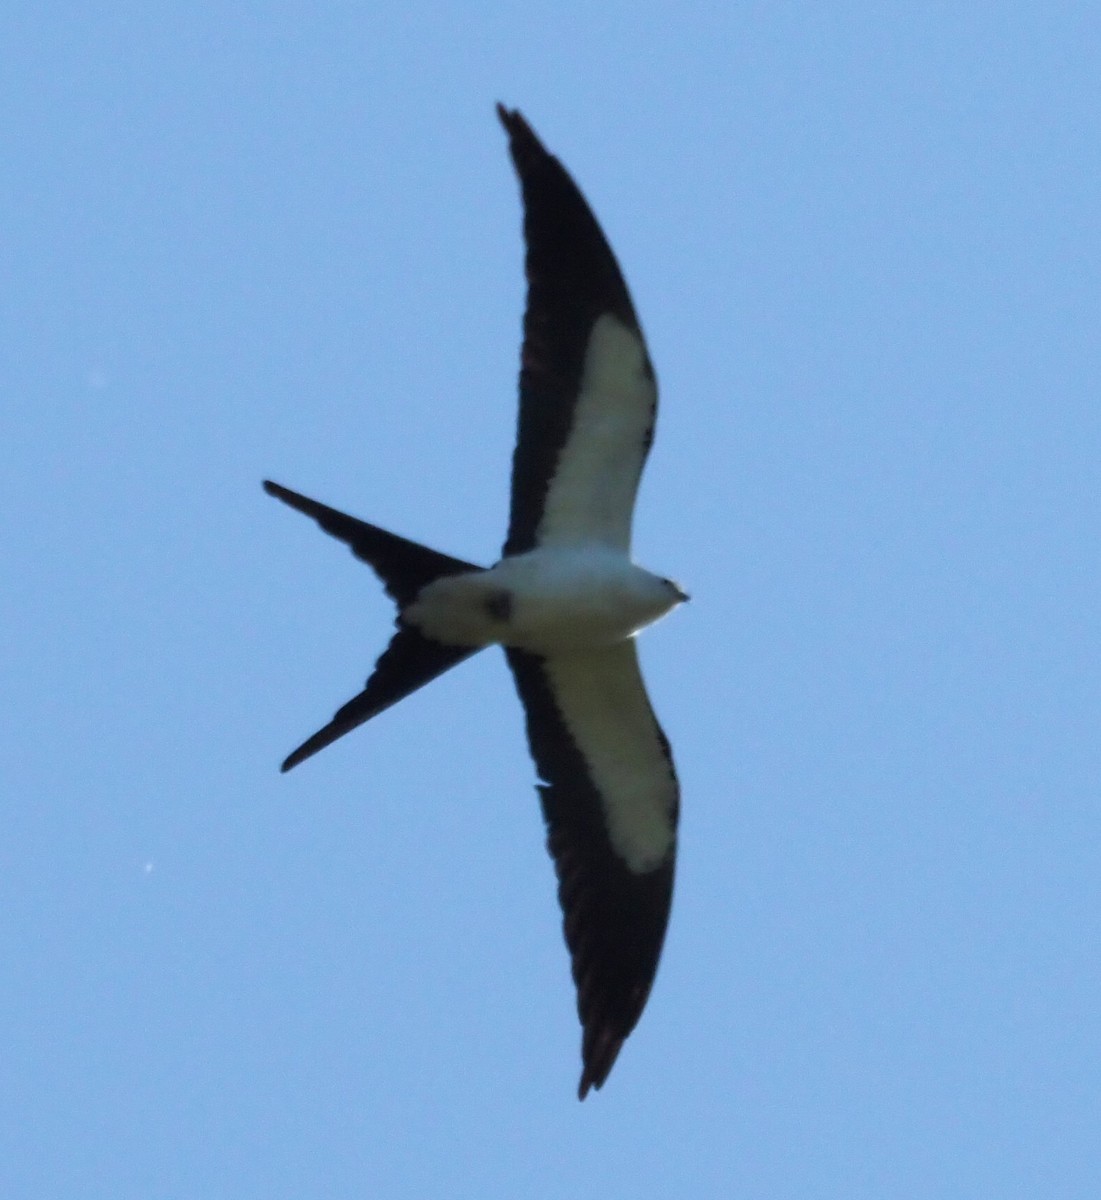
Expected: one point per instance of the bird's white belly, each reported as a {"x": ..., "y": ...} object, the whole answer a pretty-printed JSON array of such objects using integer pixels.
[
  {"x": 544, "y": 601},
  {"x": 586, "y": 617}
]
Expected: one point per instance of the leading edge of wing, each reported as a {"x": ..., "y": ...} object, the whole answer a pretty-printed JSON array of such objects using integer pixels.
[
  {"x": 610, "y": 800},
  {"x": 573, "y": 280}
]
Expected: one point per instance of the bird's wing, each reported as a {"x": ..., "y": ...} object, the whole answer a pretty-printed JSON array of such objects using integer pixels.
[
  {"x": 588, "y": 395},
  {"x": 610, "y": 799}
]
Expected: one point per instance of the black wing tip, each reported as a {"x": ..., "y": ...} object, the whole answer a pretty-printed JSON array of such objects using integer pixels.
[
  {"x": 523, "y": 141},
  {"x": 600, "y": 1049},
  {"x": 595, "y": 1072},
  {"x": 511, "y": 119}
]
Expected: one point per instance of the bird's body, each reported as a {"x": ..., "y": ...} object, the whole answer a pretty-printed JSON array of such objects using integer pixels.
[
  {"x": 548, "y": 600},
  {"x": 565, "y": 601}
]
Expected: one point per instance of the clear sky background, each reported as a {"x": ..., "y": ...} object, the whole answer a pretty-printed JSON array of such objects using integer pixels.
[{"x": 244, "y": 240}]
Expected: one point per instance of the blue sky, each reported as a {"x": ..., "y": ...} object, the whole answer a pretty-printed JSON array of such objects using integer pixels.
[{"x": 245, "y": 240}]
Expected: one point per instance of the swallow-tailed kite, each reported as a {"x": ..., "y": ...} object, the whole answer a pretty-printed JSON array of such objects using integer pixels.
[{"x": 565, "y": 602}]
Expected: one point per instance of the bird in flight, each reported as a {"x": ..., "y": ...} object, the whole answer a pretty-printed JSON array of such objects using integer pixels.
[{"x": 564, "y": 601}]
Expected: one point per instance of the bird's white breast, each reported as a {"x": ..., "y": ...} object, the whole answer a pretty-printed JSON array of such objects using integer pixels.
[{"x": 549, "y": 599}]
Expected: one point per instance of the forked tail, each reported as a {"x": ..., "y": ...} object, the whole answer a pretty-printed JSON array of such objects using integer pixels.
[
  {"x": 411, "y": 660},
  {"x": 403, "y": 566}
]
